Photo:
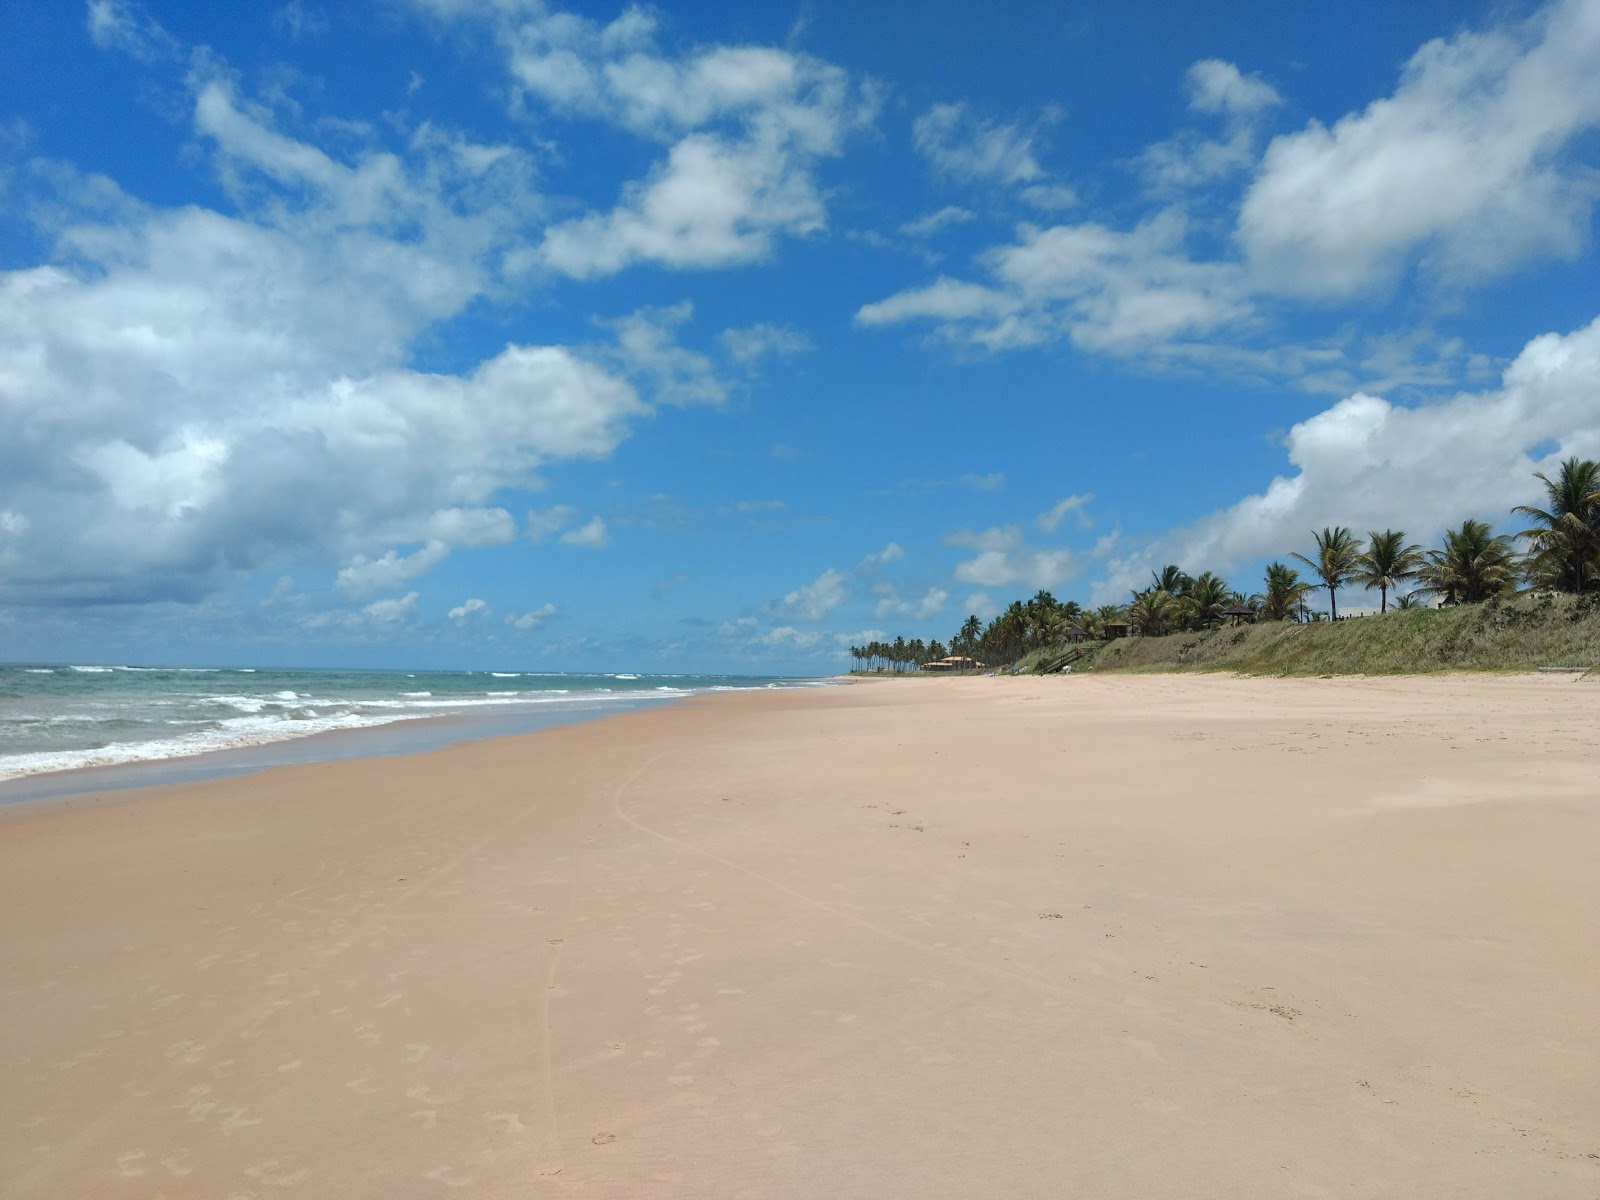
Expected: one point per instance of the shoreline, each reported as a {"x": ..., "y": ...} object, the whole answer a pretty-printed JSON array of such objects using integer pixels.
[
  {"x": 387, "y": 738},
  {"x": 977, "y": 938}
]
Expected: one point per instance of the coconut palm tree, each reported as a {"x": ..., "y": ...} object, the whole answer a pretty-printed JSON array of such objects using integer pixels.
[
  {"x": 1283, "y": 594},
  {"x": 1207, "y": 596},
  {"x": 1564, "y": 545},
  {"x": 1386, "y": 561},
  {"x": 1473, "y": 565},
  {"x": 1334, "y": 563},
  {"x": 1409, "y": 600},
  {"x": 1152, "y": 611},
  {"x": 1171, "y": 580}
]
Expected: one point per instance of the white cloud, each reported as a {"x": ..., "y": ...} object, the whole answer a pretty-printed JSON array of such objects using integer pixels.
[
  {"x": 1216, "y": 86},
  {"x": 468, "y": 608},
  {"x": 859, "y": 638},
  {"x": 945, "y": 299},
  {"x": 1369, "y": 464},
  {"x": 531, "y": 619},
  {"x": 815, "y": 600},
  {"x": 749, "y": 345},
  {"x": 591, "y": 534},
  {"x": 648, "y": 351},
  {"x": 547, "y": 522},
  {"x": 788, "y": 635},
  {"x": 980, "y": 604},
  {"x": 890, "y": 553},
  {"x": 1057, "y": 512},
  {"x": 1105, "y": 289},
  {"x": 300, "y": 20},
  {"x": 747, "y": 127},
  {"x": 968, "y": 147},
  {"x": 463, "y": 527},
  {"x": 191, "y": 395},
  {"x": 391, "y": 612},
  {"x": 924, "y": 607},
  {"x": 119, "y": 25},
  {"x": 364, "y": 575},
  {"x": 1003, "y": 559},
  {"x": 931, "y": 223},
  {"x": 993, "y": 481},
  {"x": 1462, "y": 169}
]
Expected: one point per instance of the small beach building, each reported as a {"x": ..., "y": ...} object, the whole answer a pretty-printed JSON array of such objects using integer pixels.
[{"x": 1117, "y": 629}]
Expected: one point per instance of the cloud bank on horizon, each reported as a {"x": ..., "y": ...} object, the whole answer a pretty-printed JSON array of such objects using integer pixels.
[{"x": 646, "y": 338}]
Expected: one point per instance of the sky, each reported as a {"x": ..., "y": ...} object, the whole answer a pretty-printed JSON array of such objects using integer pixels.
[{"x": 721, "y": 337}]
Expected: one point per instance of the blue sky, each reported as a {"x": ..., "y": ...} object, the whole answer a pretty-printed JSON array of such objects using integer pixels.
[{"x": 718, "y": 337}]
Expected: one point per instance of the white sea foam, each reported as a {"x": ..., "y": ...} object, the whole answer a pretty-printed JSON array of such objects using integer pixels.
[
  {"x": 266, "y": 717},
  {"x": 94, "y": 670},
  {"x": 37, "y": 671},
  {"x": 506, "y": 674},
  {"x": 234, "y": 734}
]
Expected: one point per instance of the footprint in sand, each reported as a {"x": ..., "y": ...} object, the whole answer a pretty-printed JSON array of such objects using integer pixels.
[{"x": 415, "y": 1052}]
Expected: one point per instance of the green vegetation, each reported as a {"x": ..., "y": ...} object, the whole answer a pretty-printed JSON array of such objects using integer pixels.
[
  {"x": 1521, "y": 633},
  {"x": 1482, "y": 621}
]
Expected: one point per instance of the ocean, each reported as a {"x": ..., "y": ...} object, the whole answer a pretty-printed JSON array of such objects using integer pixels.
[{"x": 57, "y": 717}]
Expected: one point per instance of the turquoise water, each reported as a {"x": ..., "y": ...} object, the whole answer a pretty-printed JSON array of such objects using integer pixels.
[{"x": 58, "y": 717}]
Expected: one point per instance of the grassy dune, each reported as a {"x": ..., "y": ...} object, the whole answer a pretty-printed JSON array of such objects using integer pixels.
[{"x": 1522, "y": 634}]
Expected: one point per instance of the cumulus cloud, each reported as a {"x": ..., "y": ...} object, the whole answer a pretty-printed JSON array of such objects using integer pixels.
[
  {"x": 931, "y": 223},
  {"x": 1103, "y": 288},
  {"x": 1004, "y": 559},
  {"x": 364, "y": 575},
  {"x": 788, "y": 636},
  {"x": 1216, "y": 86},
  {"x": 815, "y": 600},
  {"x": 1468, "y": 169},
  {"x": 958, "y": 143},
  {"x": 531, "y": 619},
  {"x": 751, "y": 344},
  {"x": 392, "y": 611},
  {"x": 1370, "y": 464},
  {"x": 190, "y": 395},
  {"x": 930, "y": 604},
  {"x": 119, "y": 25},
  {"x": 1057, "y": 512},
  {"x": 746, "y": 128},
  {"x": 1464, "y": 168},
  {"x": 591, "y": 534},
  {"x": 469, "y": 608},
  {"x": 543, "y": 523}
]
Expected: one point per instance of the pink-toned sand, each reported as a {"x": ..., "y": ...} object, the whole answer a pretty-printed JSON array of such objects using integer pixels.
[{"x": 1099, "y": 937}]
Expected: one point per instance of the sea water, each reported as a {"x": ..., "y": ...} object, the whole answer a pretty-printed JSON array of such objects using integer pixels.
[{"x": 58, "y": 716}]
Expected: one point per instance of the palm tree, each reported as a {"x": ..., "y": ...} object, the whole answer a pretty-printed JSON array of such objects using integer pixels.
[
  {"x": 1334, "y": 563},
  {"x": 1409, "y": 600},
  {"x": 1207, "y": 596},
  {"x": 1284, "y": 593},
  {"x": 1564, "y": 547},
  {"x": 1151, "y": 611},
  {"x": 1171, "y": 580},
  {"x": 1386, "y": 561},
  {"x": 1473, "y": 565}
]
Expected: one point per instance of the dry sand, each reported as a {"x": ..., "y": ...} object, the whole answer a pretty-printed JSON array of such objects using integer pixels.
[{"x": 1136, "y": 937}]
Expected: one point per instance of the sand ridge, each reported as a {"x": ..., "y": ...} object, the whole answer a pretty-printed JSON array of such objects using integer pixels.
[{"x": 1177, "y": 936}]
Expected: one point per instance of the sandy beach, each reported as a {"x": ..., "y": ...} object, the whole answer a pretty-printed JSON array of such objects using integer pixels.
[{"x": 1175, "y": 936}]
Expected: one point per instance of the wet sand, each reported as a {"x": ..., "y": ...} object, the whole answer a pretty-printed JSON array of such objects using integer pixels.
[{"x": 1102, "y": 937}]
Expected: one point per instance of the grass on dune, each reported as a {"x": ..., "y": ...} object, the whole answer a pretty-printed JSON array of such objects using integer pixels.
[{"x": 1519, "y": 634}]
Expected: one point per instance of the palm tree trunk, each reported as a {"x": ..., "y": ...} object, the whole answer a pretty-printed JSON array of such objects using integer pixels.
[
  {"x": 1333, "y": 603},
  {"x": 1383, "y": 592}
]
